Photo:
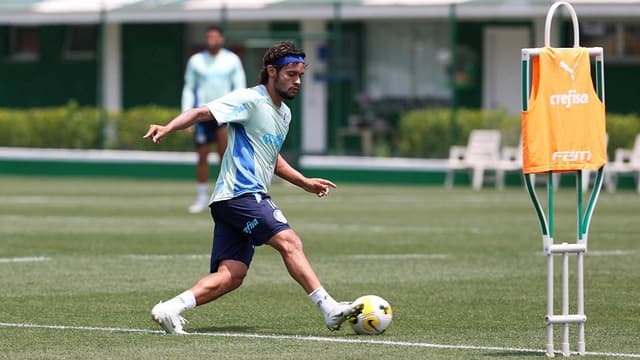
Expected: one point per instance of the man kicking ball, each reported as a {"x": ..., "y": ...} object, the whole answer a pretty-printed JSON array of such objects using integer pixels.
[{"x": 243, "y": 212}]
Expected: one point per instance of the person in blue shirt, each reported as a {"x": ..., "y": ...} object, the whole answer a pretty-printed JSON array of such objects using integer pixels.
[
  {"x": 244, "y": 214},
  {"x": 209, "y": 74}
]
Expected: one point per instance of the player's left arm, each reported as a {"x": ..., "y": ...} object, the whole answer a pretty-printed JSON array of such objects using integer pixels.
[
  {"x": 239, "y": 78},
  {"x": 317, "y": 186},
  {"x": 189, "y": 90}
]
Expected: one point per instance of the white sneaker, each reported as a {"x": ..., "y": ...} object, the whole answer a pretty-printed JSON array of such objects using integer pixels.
[
  {"x": 340, "y": 314},
  {"x": 168, "y": 318},
  {"x": 199, "y": 206}
]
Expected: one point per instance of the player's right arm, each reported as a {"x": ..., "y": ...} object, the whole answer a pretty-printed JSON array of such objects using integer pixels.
[{"x": 182, "y": 121}]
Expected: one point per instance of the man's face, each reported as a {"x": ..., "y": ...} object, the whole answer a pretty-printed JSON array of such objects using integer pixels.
[
  {"x": 215, "y": 40},
  {"x": 287, "y": 81}
]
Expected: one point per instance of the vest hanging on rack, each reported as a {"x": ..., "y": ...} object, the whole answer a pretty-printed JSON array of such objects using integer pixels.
[{"x": 564, "y": 126}]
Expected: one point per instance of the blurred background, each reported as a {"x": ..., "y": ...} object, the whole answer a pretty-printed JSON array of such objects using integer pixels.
[{"x": 386, "y": 78}]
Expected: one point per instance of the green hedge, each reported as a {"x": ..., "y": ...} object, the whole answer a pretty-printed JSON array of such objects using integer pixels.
[
  {"x": 75, "y": 127},
  {"x": 69, "y": 126},
  {"x": 429, "y": 133},
  {"x": 622, "y": 130},
  {"x": 134, "y": 123},
  {"x": 421, "y": 133}
]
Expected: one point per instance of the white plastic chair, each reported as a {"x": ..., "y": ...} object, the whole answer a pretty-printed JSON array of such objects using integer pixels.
[
  {"x": 626, "y": 161},
  {"x": 481, "y": 153}
]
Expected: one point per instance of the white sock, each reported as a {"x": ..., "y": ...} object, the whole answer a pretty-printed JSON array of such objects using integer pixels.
[
  {"x": 184, "y": 301},
  {"x": 321, "y": 297},
  {"x": 203, "y": 190}
]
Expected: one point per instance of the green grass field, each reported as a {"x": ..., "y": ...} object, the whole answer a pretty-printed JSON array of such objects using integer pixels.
[{"x": 82, "y": 261}]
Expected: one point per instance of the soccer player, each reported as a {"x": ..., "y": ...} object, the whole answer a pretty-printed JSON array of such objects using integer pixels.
[
  {"x": 210, "y": 74},
  {"x": 242, "y": 210}
]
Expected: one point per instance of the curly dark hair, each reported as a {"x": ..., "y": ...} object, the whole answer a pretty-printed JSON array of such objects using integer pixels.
[
  {"x": 217, "y": 28},
  {"x": 277, "y": 51}
]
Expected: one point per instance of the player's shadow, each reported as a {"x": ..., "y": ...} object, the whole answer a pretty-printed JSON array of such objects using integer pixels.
[
  {"x": 518, "y": 354},
  {"x": 224, "y": 329}
]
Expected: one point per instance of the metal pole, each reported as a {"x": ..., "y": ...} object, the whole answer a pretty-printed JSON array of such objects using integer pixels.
[
  {"x": 565, "y": 302},
  {"x": 336, "y": 71},
  {"x": 550, "y": 260},
  {"x": 224, "y": 16},
  {"x": 550, "y": 352},
  {"x": 99, "y": 78},
  {"x": 580, "y": 310},
  {"x": 453, "y": 29},
  {"x": 579, "y": 262}
]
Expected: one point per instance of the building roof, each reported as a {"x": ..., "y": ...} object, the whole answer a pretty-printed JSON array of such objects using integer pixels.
[{"x": 93, "y": 11}]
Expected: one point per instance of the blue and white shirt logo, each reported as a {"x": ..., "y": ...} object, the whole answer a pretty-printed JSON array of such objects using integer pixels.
[{"x": 271, "y": 139}]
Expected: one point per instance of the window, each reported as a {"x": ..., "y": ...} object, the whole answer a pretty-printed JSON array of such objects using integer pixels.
[
  {"x": 409, "y": 45},
  {"x": 632, "y": 40},
  {"x": 24, "y": 43},
  {"x": 594, "y": 34},
  {"x": 80, "y": 42},
  {"x": 619, "y": 40}
]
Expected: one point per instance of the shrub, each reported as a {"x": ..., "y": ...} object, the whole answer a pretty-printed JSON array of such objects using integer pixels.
[
  {"x": 421, "y": 133},
  {"x": 68, "y": 126},
  {"x": 75, "y": 127},
  {"x": 622, "y": 130},
  {"x": 430, "y": 133},
  {"x": 135, "y": 122}
]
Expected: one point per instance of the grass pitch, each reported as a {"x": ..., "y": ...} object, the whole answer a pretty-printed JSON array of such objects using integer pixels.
[{"x": 82, "y": 261}]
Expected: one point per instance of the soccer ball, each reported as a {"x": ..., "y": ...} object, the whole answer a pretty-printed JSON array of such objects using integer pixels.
[{"x": 375, "y": 317}]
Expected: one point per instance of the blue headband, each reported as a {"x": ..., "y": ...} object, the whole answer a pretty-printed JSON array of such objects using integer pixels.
[{"x": 288, "y": 60}]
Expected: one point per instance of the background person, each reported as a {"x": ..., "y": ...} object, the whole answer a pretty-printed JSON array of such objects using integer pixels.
[{"x": 209, "y": 74}]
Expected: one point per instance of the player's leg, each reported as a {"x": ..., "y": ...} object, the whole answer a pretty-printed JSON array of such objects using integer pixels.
[
  {"x": 262, "y": 222},
  {"x": 202, "y": 179},
  {"x": 231, "y": 255},
  {"x": 203, "y": 137},
  {"x": 290, "y": 247},
  {"x": 221, "y": 142},
  {"x": 228, "y": 278}
]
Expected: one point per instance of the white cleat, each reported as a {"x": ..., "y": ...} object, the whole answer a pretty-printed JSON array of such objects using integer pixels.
[
  {"x": 169, "y": 319},
  {"x": 340, "y": 314},
  {"x": 198, "y": 207}
]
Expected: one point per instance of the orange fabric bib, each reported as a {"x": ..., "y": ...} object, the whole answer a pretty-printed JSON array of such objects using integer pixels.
[{"x": 564, "y": 127}]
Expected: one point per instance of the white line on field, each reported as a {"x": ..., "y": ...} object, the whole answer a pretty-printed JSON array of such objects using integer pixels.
[
  {"x": 311, "y": 338},
  {"x": 23, "y": 259},
  {"x": 610, "y": 252}
]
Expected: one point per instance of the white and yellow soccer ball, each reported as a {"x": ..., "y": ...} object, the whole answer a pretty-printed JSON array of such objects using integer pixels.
[{"x": 375, "y": 317}]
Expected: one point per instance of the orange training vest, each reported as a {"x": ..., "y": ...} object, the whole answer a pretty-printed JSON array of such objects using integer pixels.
[{"x": 564, "y": 127}]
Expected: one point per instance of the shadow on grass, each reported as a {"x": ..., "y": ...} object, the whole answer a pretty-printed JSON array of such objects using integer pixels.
[
  {"x": 519, "y": 354},
  {"x": 225, "y": 329}
]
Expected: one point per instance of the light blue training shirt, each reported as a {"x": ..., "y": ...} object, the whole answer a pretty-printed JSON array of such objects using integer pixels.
[
  {"x": 208, "y": 77},
  {"x": 257, "y": 130}
]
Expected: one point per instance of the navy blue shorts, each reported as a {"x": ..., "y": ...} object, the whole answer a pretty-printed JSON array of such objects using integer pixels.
[
  {"x": 241, "y": 224},
  {"x": 205, "y": 132}
]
